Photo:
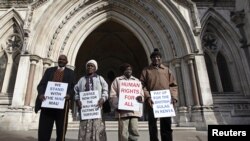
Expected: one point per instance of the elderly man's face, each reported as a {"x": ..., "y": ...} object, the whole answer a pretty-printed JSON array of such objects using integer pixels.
[
  {"x": 62, "y": 61},
  {"x": 156, "y": 60},
  {"x": 90, "y": 68}
]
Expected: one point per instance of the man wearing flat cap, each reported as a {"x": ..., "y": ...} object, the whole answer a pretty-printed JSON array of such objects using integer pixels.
[{"x": 158, "y": 77}]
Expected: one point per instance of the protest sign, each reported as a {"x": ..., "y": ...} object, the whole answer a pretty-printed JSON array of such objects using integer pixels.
[
  {"x": 89, "y": 109},
  {"x": 54, "y": 95},
  {"x": 162, "y": 103},
  {"x": 128, "y": 92}
]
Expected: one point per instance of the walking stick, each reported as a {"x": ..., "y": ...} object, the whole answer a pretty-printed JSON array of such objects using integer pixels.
[
  {"x": 65, "y": 119},
  {"x": 119, "y": 127}
]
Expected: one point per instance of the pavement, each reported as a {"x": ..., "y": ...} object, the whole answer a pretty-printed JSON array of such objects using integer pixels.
[{"x": 72, "y": 135}]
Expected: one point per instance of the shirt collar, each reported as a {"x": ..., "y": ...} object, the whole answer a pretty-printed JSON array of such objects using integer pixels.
[
  {"x": 123, "y": 77},
  {"x": 62, "y": 68},
  {"x": 94, "y": 75},
  {"x": 154, "y": 67}
]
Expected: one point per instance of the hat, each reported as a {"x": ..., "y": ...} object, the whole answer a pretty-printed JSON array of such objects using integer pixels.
[
  {"x": 124, "y": 66},
  {"x": 92, "y": 62},
  {"x": 156, "y": 52}
]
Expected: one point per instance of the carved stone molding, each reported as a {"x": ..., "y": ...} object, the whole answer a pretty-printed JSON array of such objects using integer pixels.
[
  {"x": 194, "y": 14},
  {"x": 34, "y": 58},
  {"x": 110, "y": 5},
  {"x": 238, "y": 17},
  {"x": 14, "y": 3},
  {"x": 31, "y": 9},
  {"x": 47, "y": 61}
]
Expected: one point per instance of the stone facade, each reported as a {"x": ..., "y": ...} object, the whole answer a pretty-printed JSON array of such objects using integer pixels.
[{"x": 205, "y": 43}]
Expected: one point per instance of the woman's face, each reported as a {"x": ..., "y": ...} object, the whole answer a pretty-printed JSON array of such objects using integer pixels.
[
  {"x": 90, "y": 68},
  {"x": 128, "y": 72}
]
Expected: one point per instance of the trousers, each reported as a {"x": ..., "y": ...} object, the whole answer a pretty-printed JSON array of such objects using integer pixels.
[{"x": 165, "y": 127}]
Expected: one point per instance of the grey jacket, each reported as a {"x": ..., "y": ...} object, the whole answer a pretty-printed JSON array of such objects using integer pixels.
[{"x": 99, "y": 84}]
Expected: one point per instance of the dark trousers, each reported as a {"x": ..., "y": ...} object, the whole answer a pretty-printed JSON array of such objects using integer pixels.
[
  {"x": 47, "y": 119},
  {"x": 165, "y": 127}
]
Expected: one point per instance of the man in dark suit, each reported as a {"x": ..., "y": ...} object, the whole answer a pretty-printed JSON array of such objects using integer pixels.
[{"x": 49, "y": 115}]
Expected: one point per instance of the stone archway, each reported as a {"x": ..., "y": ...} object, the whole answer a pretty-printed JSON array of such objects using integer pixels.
[{"x": 111, "y": 44}]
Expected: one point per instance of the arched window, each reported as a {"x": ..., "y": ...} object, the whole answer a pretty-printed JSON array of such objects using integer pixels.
[
  {"x": 224, "y": 73},
  {"x": 218, "y": 73},
  {"x": 3, "y": 64},
  {"x": 210, "y": 71}
]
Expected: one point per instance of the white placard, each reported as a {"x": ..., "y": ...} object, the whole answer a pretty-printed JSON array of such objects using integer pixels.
[
  {"x": 162, "y": 104},
  {"x": 128, "y": 92},
  {"x": 54, "y": 95},
  {"x": 89, "y": 109}
]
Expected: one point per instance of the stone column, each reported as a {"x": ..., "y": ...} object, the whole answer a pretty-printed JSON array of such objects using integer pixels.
[
  {"x": 196, "y": 108},
  {"x": 46, "y": 63},
  {"x": 205, "y": 114},
  {"x": 21, "y": 81},
  {"x": 182, "y": 109},
  {"x": 33, "y": 59},
  {"x": 190, "y": 62}
]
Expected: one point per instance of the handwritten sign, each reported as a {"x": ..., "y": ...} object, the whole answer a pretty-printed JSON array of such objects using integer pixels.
[
  {"x": 89, "y": 109},
  {"x": 54, "y": 94},
  {"x": 162, "y": 103},
  {"x": 128, "y": 92}
]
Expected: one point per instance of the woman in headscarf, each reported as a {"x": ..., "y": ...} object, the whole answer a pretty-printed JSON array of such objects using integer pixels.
[{"x": 92, "y": 129}]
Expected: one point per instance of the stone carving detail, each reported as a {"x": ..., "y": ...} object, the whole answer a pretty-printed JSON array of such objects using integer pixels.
[
  {"x": 238, "y": 18},
  {"x": 241, "y": 110},
  {"x": 14, "y": 3},
  {"x": 194, "y": 14},
  {"x": 210, "y": 42},
  {"x": 14, "y": 43},
  {"x": 110, "y": 5}
]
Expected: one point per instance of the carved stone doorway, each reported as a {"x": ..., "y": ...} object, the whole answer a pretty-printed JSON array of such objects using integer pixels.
[{"x": 111, "y": 44}]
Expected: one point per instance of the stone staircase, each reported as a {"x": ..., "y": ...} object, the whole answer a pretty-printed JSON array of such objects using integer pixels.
[{"x": 113, "y": 126}]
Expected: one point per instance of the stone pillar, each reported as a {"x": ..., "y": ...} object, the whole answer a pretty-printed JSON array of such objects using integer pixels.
[
  {"x": 183, "y": 116},
  {"x": 18, "y": 117},
  {"x": 196, "y": 108},
  {"x": 21, "y": 81},
  {"x": 190, "y": 62},
  {"x": 46, "y": 63},
  {"x": 208, "y": 115},
  {"x": 33, "y": 59}
]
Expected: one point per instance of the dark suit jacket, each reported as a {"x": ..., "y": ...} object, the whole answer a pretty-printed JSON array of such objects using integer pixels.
[{"x": 68, "y": 77}]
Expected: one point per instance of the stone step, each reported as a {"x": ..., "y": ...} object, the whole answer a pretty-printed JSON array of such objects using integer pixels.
[{"x": 113, "y": 126}]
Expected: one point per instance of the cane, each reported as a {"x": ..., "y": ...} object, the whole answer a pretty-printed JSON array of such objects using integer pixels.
[
  {"x": 65, "y": 119},
  {"x": 119, "y": 127}
]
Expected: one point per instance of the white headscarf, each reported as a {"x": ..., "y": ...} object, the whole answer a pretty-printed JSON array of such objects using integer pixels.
[{"x": 92, "y": 61}]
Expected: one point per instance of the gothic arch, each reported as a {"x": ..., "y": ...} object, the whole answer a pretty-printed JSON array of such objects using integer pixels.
[
  {"x": 228, "y": 43},
  {"x": 13, "y": 25},
  {"x": 153, "y": 28}
]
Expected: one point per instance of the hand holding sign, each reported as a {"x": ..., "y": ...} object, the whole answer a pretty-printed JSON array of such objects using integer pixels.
[
  {"x": 54, "y": 95},
  {"x": 89, "y": 101},
  {"x": 162, "y": 103},
  {"x": 100, "y": 102},
  {"x": 128, "y": 92}
]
